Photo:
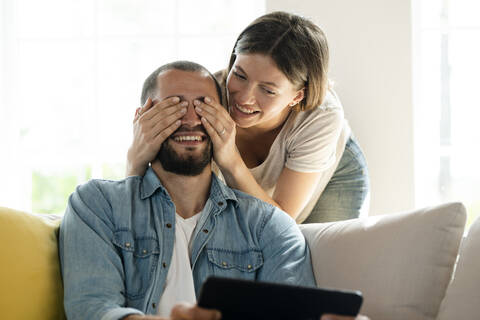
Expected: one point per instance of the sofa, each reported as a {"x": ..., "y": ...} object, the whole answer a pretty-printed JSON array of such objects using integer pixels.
[{"x": 413, "y": 265}]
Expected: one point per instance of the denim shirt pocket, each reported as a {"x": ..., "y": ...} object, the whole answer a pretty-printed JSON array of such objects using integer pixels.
[
  {"x": 140, "y": 258},
  {"x": 238, "y": 264}
]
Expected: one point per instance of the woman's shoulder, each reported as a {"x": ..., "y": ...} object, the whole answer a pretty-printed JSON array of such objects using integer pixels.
[
  {"x": 331, "y": 102},
  {"x": 330, "y": 110},
  {"x": 316, "y": 122},
  {"x": 221, "y": 75}
]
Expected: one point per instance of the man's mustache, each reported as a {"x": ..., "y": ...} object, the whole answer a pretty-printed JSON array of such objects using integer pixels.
[{"x": 198, "y": 128}]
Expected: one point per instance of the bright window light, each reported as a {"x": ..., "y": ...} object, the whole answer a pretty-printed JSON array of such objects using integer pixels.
[
  {"x": 447, "y": 107},
  {"x": 71, "y": 76}
]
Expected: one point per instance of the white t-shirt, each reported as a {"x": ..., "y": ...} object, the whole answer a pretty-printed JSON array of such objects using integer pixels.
[
  {"x": 310, "y": 141},
  {"x": 179, "y": 285}
]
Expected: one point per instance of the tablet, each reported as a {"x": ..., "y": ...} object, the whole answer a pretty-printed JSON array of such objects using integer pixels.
[{"x": 243, "y": 299}]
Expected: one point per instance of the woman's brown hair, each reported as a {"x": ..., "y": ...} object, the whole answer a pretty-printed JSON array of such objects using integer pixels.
[{"x": 298, "y": 47}]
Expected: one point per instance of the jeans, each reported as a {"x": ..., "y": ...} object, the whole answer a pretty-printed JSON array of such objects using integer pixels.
[{"x": 346, "y": 195}]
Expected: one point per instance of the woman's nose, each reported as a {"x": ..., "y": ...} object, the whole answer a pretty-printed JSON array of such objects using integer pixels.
[
  {"x": 245, "y": 96},
  {"x": 191, "y": 118}
]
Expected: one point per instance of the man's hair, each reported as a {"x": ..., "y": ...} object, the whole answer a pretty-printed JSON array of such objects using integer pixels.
[{"x": 150, "y": 84}]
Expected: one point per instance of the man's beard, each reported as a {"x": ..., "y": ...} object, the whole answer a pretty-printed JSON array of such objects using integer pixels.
[{"x": 184, "y": 165}]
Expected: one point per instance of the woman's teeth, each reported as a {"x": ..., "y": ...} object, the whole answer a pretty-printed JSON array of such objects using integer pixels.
[
  {"x": 244, "y": 110},
  {"x": 187, "y": 138}
]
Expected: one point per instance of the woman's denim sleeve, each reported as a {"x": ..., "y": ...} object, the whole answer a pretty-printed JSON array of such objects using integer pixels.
[
  {"x": 89, "y": 260},
  {"x": 285, "y": 252}
]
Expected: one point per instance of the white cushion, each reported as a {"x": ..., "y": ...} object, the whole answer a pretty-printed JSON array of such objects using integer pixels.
[
  {"x": 463, "y": 294},
  {"x": 401, "y": 262}
]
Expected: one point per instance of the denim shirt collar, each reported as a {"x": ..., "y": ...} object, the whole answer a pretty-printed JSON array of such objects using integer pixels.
[{"x": 219, "y": 192}]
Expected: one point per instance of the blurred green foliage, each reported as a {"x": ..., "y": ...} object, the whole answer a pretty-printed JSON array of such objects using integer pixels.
[{"x": 51, "y": 189}]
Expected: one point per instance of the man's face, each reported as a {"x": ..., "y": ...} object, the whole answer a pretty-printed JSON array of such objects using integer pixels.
[{"x": 189, "y": 149}]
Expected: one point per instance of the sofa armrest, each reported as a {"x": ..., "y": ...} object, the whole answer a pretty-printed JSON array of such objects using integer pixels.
[
  {"x": 31, "y": 284},
  {"x": 401, "y": 262},
  {"x": 463, "y": 295}
]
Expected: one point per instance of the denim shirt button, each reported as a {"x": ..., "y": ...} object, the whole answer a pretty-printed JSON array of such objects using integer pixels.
[
  {"x": 205, "y": 231},
  {"x": 220, "y": 203},
  {"x": 154, "y": 305},
  {"x": 164, "y": 264},
  {"x": 127, "y": 244},
  {"x": 249, "y": 266},
  {"x": 169, "y": 225},
  {"x": 224, "y": 263},
  {"x": 144, "y": 251}
]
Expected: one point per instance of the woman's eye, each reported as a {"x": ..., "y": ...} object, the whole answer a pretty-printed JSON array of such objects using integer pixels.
[
  {"x": 238, "y": 75},
  {"x": 270, "y": 92}
]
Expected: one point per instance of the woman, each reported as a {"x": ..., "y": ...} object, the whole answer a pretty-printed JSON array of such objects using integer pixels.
[{"x": 283, "y": 138}]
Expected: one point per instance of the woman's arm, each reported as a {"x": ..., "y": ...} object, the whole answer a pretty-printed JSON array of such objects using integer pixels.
[
  {"x": 293, "y": 189},
  {"x": 292, "y": 192}
]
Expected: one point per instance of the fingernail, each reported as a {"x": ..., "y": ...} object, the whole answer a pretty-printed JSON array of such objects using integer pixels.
[
  {"x": 176, "y": 99},
  {"x": 196, "y": 102},
  {"x": 208, "y": 100},
  {"x": 184, "y": 110},
  {"x": 198, "y": 109},
  {"x": 178, "y": 122},
  {"x": 184, "y": 103}
]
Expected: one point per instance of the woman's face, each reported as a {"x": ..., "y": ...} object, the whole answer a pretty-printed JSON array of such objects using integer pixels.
[{"x": 259, "y": 94}]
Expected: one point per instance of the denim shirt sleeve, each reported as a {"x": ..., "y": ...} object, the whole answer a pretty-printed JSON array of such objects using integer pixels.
[
  {"x": 92, "y": 270},
  {"x": 285, "y": 252}
]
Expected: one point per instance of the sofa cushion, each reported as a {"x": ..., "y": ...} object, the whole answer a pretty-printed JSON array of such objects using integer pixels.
[
  {"x": 463, "y": 293},
  {"x": 31, "y": 286},
  {"x": 401, "y": 262}
]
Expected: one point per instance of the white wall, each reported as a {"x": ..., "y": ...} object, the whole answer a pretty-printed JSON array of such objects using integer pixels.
[{"x": 371, "y": 64}]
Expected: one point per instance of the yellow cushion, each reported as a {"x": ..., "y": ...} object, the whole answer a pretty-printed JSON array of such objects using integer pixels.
[{"x": 30, "y": 278}]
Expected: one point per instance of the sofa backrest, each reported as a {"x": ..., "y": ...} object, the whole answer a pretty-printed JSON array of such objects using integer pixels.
[
  {"x": 462, "y": 299},
  {"x": 30, "y": 279},
  {"x": 401, "y": 262}
]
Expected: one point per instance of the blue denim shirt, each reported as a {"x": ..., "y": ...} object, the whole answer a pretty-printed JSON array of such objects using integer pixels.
[{"x": 117, "y": 237}]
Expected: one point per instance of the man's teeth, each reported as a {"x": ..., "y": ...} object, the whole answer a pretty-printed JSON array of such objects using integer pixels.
[
  {"x": 245, "y": 110},
  {"x": 187, "y": 138}
]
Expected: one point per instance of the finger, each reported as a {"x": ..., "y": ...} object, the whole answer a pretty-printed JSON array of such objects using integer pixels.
[
  {"x": 212, "y": 107},
  {"x": 137, "y": 114},
  {"x": 161, "y": 119},
  {"x": 166, "y": 122},
  {"x": 157, "y": 106},
  {"x": 220, "y": 126},
  {"x": 147, "y": 105},
  {"x": 206, "y": 314},
  {"x": 211, "y": 102},
  {"x": 163, "y": 135},
  {"x": 180, "y": 109},
  {"x": 212, "y": 132},
  {"x": 216, "y": 115},
  {"x": 191, "y": 312}
]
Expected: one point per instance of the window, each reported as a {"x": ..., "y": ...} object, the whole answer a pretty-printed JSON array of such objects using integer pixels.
[
  {"x": 71, "y": 76},
  {"x": 447, "y": 108}
]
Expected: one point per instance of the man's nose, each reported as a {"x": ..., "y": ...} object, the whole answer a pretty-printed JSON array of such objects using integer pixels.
[{"x": 191, "y": 118}]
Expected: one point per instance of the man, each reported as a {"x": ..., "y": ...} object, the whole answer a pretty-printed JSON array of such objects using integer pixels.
[{"x": 137, "y": 247}]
